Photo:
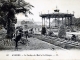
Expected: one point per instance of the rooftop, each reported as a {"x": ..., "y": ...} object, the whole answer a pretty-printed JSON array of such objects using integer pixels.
[{"x": 53, "y": 15}]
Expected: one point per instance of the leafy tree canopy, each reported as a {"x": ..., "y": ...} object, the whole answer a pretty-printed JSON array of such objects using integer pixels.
[
  {"x": 19, "y": 6},
  {"x": 8, "y": 9}
]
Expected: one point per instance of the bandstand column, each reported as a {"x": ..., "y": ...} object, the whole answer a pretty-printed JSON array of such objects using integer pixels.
[
  {"x": 62, "y": 20},
  {"x": 65, "y": 21},
  {"x": 42, "y": 22},
  {"x": 58, "y": 21},
  {"x": 55, "y": 21},
  {"x": 49, "y": 22},
  {"x": 70, "y": 20}
]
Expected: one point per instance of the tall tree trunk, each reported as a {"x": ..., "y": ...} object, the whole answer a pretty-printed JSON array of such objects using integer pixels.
[{"x": 9, "y": 29}]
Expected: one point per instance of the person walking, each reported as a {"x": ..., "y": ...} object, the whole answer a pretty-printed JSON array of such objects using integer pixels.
[
  {"x": 73, "y": 37},
  {"x": 18, "y": 36},
  {"x": 26, "y": 34}
]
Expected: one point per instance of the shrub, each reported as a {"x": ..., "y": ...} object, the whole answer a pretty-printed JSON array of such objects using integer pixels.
[
  {"x": 50, "y": 33},
  {"x": 62, "y": 32},
  {"x": 43, "y": 30}
]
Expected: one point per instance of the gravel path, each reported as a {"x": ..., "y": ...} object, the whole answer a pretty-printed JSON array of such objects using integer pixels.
[
  {"x": 33, "y": 44},
  {"x": 38, "y": 44}
]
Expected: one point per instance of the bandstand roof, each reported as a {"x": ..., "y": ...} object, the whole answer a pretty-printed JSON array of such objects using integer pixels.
[{"x": 56, "y": 15}]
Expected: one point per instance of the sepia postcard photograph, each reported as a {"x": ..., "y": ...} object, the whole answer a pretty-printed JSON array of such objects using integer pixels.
[{"x": 39, "y": 29}]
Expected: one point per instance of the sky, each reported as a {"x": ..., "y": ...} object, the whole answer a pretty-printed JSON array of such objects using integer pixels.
[{"x": 46, "y": 6}]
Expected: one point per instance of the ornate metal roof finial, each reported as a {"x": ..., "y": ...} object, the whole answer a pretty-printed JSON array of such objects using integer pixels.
[
  {"x": 73, "y": 12},
  {"x": 48, "y": 11},
  {"x": 56, "y": 7},
  {"x": 56, "y": 10},
  {"x": 67, "y": 11}
]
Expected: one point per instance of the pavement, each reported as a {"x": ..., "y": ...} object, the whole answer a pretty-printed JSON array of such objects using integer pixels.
[
  {"x": 36, "y": 44},
  {"x": 33, "y": 44}
]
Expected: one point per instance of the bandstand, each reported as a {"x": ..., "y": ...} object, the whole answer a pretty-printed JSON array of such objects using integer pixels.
[{"x": 57, "y": 15}]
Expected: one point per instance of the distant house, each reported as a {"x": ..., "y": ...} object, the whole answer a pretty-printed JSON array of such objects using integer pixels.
[{"x": 27, "y": 25}]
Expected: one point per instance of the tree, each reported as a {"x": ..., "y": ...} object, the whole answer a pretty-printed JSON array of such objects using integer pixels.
[
  {"x": 77, "y": 22},
  {"x": 62, "y": 32},
  {"x": 8, "y": 9}
]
